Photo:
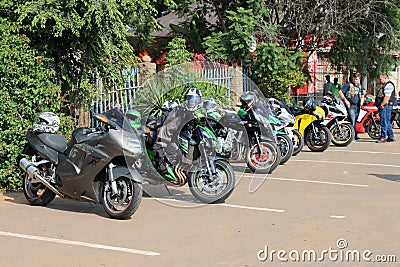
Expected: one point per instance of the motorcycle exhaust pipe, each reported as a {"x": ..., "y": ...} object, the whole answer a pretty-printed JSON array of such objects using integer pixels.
[{"x": 33, "y": 172}]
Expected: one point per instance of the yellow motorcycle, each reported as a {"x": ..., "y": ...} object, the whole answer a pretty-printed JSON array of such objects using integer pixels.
[{"x": 309, "y": 120}]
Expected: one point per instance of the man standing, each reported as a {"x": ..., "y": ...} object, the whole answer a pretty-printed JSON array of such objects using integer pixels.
[
  {"x": 336, "y": 87},
  {"x": 385, "y": 100},
  {"x": 352, "y": 94},
  {"x": 327, "y": 85}
]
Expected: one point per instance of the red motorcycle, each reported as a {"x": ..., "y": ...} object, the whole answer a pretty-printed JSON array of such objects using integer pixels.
[{"x": 368, "y": 120}]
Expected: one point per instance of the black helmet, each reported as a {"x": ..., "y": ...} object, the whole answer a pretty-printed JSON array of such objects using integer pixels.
[
  {"x": 310, "y": 105},
  {"x": 248, "y": 99},
  {"x": 193, "y": 99}
]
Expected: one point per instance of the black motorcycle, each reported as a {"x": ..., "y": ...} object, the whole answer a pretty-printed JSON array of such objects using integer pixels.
[
  {"x": 247, "y": 135},
  {"x": 96, "y": 165}
]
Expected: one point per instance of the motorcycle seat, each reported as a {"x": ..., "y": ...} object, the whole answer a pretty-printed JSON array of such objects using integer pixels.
[{"x": 54, "y": 141}]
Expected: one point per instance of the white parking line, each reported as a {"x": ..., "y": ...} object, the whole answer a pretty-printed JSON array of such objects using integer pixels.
[
  {"x": 338, "y": 216},
  {"x": 348, "y": 163},
  {"x": 78, "y": 243},
  {"x": 307, "y": 181},
  {"x": 362, "y": 151},
  {"x": 220, "y": 204}
]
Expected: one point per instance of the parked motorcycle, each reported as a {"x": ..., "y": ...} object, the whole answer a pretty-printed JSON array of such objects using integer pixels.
[
  {"x": 284, "y": 114},
  {"x": 336, "y": 120},
  {"x": 309, "y": 123},
  {"x": 283, "y": 137},
  {"x": 94, "y": 166},
  {"x": 395, "y": 115},
  {"x": 368, "y": 120},
  {"x": 211, "y": 178},
  {"x": 246, "y": 134}
]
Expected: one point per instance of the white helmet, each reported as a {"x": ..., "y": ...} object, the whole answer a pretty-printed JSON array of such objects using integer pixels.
[
  {"x": 48, "y": 123},
  {"x": 169, "y": 105},
  {"x": 193, "y": 99}
]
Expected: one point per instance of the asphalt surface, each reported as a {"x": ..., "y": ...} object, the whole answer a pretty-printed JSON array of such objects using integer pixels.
[{"x": 339, "y": 204}]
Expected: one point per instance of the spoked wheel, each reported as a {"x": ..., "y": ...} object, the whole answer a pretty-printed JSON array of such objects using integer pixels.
[
  {"x": 36, "y": 193},
  {"x": 342, "y": 134},
  {"x": 374, "y": 130},
  {"x": 264, "y": 158},
  {"x": 298, "y": 142},
  {"x": 123, "y": 204},
  {"x": 215, "y": 188},
  {"x": 286, "y": 147},
  {"x": 320, "y": 140}
]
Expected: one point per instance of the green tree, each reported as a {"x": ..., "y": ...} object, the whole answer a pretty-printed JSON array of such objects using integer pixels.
[
  {"x": 83, "y": 37},
  {"x": 27, "y": 87}
]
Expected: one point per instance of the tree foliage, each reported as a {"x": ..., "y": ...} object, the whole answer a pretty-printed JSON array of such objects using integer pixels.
[
  {"x": 83, "y": 37},
  {"x": 27, "y": 88}
]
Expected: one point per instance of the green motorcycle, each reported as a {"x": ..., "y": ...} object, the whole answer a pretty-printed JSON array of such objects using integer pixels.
[{"x": 211, "y": 179}]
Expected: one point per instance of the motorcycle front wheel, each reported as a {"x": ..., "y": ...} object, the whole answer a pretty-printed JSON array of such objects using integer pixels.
[
  {"x": 320, "y": 140},
  {"x": 374, "y": 130},
  {"x": 342, "y": 134},
  {"x": 264, "y": 162},
  {"x": 216, "y": 188},
  {"x": 285, "y": 147},
  {"x": 122, "y": 205},
  {"x": 298, "y": 142}
]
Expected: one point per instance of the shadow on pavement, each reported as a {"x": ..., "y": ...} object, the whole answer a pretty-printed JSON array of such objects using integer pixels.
[{"x": 390, "y": 177}]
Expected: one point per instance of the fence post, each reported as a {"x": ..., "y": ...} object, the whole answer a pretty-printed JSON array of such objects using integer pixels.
[
  {"x": 236, "y": 84},
  {"x": 146, "y": 69}
]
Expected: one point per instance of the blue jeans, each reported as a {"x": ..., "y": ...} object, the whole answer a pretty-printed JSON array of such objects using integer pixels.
[
  {"x": 386, "y": 125},
  {"x": 353, "y": 114}
]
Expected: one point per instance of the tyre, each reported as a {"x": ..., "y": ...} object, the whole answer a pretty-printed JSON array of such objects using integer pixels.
[
  {"x": 298, "y": 142},
  {"x": 36, "y": 193},
  {"x": 374, "y": 130},
  {"x": 213, "y": 189},
  {"x": 265, "y": 163},
  {"x": 319, "y": 141},
  {"x": 285, "y": 147},
  {"x": 122, "y": 205},
  {"x": 342, "y": 134},
  {"x": 398, "y": 122}
]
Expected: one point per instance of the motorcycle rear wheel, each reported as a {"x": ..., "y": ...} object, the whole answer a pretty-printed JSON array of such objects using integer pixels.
[
  {"x": 342, "y": 134},
  {"x": 122, "y": 205},
  {"x": 320, "y": 141},
  {"x": 216, "y": 189},
  {"x": 298, "y": 142},
  {"x": 268, "y": 163},
  {"x": 285, "y": 147},
  {"x": 36, "y": 193}
]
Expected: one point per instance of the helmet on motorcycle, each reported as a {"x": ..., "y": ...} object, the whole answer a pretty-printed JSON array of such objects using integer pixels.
[
  {"x": 310, "y": 105},
  {"x": 248, "y": 99},
  {"x": 169, "y": 105},
  {"x": 48, "y": 123},
  {"x": 134, "y": 117},
  {"x": 327, "y": 100},
  {"x": 193, "y": 99},
  {"x": 210, "y": 105},
  {"x": 275, "y": 105}
]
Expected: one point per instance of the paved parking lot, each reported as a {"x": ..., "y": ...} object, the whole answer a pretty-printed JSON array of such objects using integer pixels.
[{"x": 320, "y": 208}]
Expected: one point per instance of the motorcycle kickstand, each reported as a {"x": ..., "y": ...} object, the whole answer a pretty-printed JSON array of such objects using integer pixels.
[{"x": 169, "y": 192}]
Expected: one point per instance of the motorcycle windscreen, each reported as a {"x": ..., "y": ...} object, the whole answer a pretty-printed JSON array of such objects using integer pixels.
[{"x": 261, "y": 114}]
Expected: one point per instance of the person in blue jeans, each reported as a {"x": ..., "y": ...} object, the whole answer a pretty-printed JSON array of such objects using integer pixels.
[
  {"x": 353, "y": 95},
  {"x": 385, "y": 100}
]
